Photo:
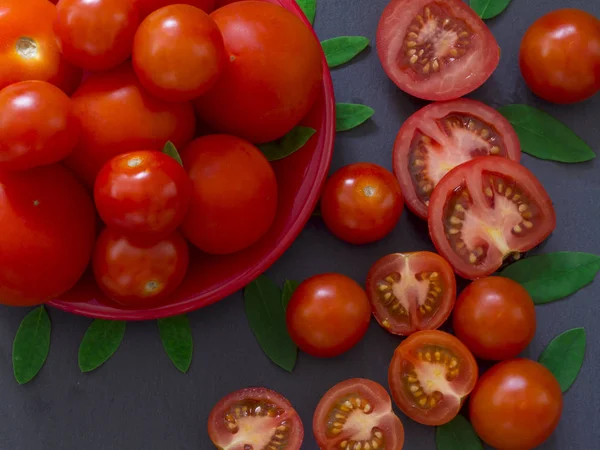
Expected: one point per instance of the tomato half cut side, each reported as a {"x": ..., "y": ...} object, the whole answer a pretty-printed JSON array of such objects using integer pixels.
[
  {"x": 487, "y": 210},
  {"x": 255, "y": 418},
  {"x": 443, "y": 135},
  {"x": 357, "y": 414},
  {"x": 410, "y": 292},
  {"x": 435, "y": 49},
  {"x": 430, "y": 376}
]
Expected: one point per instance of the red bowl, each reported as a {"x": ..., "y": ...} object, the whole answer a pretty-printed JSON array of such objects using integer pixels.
[{"x": 212, "y": 278}]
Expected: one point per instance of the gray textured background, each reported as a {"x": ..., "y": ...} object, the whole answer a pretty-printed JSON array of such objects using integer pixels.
[{"x": 139, "y": 401}]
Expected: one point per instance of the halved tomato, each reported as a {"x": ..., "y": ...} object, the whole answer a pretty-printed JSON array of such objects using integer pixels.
[
  {"x": 357, "y": 414},
  {"x": 443, "y": 135},
  {"x": 435, "y": 49},
  {"x": 255, "y": 418},
  {"x": 487, "y": 210},
  {"x": 411, "y": 292},
  {"x": 430, "y": 376}
]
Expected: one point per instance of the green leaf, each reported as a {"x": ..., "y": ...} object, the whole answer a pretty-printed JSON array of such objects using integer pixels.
[
  {"x": 554, "y": 276},
  {"x": 100, "y": 342},
  {"x": 290, "y": 143},
  {"x": 169, "y": 149},
  {"x": 351, "y": 115},
  {"x": 564, "y": 356},
  {"x": 545, "y": 137},
  {"x": 176, "y": 335},
  {"x": 309, "y": 7},
  {"x": 31, "y": 345},
  {"x": 343, "y": 49},
  {"x": 289, "y": 287},
  {"x": 458, "y": 434},
  {"x": 486, "y": 9},
  {"x": 266, "y": 317}
]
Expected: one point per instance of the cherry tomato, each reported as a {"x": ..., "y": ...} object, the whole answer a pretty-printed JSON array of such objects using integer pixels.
[
  {"x": 361, "y": 203},
  {"x": 37, "y": 125},
  {"x": 328, "y": 315},
  {"x": 516, "y": 405},
  {"x": 443, "y": 135},
  {"x": 560, "y": 56},
  {"x": 143, "y": 194},
  {"x": 435, "y": 50},
  {"x": 119, "y": 116},
  {"x": 48, "y": 228},
  {"x": 495, "y": 318},
  {"x": 487, "y": 210},
  {"x": 273, "y": 74},
  {"x": 430, "y": 376},
  {"x": 136, "y": 273},
  {"x": 178, "y": 53},
  {"x": 234, "y": 194},
  {"x": 256, "y": 418},
  {"x": 411, "y": 292},
  {"x": 96, "y": 35},
  {"x": 148, "y": 6},
  {"x": 29, "y": 50}
]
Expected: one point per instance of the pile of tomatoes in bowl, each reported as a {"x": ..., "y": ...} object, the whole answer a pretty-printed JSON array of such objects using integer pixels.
[{"x": 129, "y": 143}]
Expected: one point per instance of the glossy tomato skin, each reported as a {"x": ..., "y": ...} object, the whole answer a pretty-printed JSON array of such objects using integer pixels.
[
  {"x": 137, "y": 273},
  {"x": 465, "y": 63},
  {"x": 560, "y": 56},
  {"x": 273, "y": 75},
  {"x": 495, "y": 318},
  {"x": 367, "y": 400},
  {"x": 361, "y": 203},
  {"x": 30, "y": 50},
  {"x": 178, "y": 53},
  {"x": 234, "y": 194},
  {"x": 118, "y": 116},
  {"x": 37, "y": 125},
  {"x": 431, "y": 375},
  {"x": 516, "y": 405},
  {"x": 96, "y": 35},
  {"x": 143, "y": 194},
  {"x": 328, "y": 315},
  {"x": 411, "y": 292},
  {"x": 149, "y": 6},
  {"x": 250, "y": 417},
  {"x": 48, "y": 228}
]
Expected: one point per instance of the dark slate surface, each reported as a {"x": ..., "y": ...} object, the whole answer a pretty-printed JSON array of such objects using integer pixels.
[{"x": 139, "y": 401}]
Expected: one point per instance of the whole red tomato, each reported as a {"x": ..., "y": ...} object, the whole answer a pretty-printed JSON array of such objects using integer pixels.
[
  {"x": 139, "y": 274},
  {"x": 118, "y": 116},
  {"x": 48, "y": 228},
  {"x": 234, "y": 194},
  {"x": 37, "y": 125},
  {"x": 148, "y": 6},
  {"x": 361, "y": 203},
  {"x": 178, "y": 53},
  {"x": 516, "y": 405},
  {"x": 143, "y": 194},
  {"x": 273, "y": 74},
  {"x": 29, "y": 50},
  {"x": 560, "y": 56},
  {"x": 96, "y": 35},
  {"x": 328, "y": 315}
]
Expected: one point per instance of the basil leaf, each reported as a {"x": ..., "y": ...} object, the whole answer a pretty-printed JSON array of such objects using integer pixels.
[
  {"x": 554, "y": 276},
  {"x": 266, "y": 317},
  {"x": 290, "y": 143},
  {"x": 486, "y": 9},
  {"x": 289, "y": 287},
  {"x": 564, "y": 356},
  {"x": 343, "y": 49},
  {"x": 351, "y": 115},
  {"x": 458, "y": 434},
  {"x": 309, "y": 8},
  {"x": 31, "y": 345},
  {"x": 169, "y": 149},
  {"x": 176, "y": 336},
  {"x": 545, "y": 137},
  {"x": 100, "y": 342}
]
